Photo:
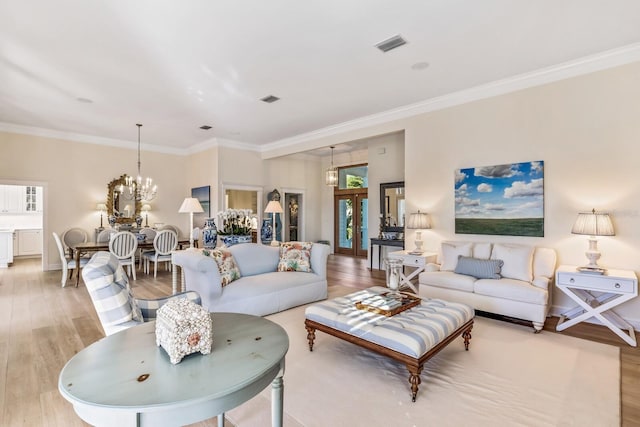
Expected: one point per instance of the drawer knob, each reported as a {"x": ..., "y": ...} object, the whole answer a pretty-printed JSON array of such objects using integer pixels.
[
  {"x": 572, "y": 280},
  {"x": 617, "y": 285}
]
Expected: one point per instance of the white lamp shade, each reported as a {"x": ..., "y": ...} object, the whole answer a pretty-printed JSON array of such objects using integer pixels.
[
  {"x": 191, "y": 205},
  {"x": 593, "y": 224},
  {"x": 101, "y": 207},
  {"x": 419, "y": 220},
  {"x": 146, "y": 207},
  {"x": 273, "y": 206}
]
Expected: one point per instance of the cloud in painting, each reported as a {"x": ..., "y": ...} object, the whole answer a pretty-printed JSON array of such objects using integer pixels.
[
  {"x": 498, "y": 171},
  {"x": 484, "y": 188},
  {"x": 460, "y": 176},
  {"x": 536, "y": 168},
  {"x": 524, "y": 189}
]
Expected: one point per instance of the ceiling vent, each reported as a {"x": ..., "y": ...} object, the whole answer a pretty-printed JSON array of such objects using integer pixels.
[
  {"x": 205, "y": 127},
  {"x": 269, "y": 99},
  {"x": 392, "y": 43}
]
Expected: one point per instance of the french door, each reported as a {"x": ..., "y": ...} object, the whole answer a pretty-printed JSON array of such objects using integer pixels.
[{"x": 350, "y": 215}]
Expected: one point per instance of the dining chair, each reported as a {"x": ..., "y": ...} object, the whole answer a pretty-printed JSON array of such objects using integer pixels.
[
  {"x": 124, "y": 245},
  {"x": 110, "y": 293},
  {"x": 72, "y": 237},
  {"x": 164, "y": 243},
  {"x": 105, "y": 235},
  {"x": 150, "y": 234},
  {"x": 68, "y": 263},
  {"x": 172, "y": 228}
]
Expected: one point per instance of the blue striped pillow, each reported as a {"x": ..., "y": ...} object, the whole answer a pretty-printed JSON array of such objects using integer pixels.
[{"x": 479, "y": 268}]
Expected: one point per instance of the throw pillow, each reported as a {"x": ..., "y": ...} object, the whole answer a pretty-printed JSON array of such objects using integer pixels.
[
  {"x": 479, "y": 268},
  {"x": 295, "y": 256},
  {"x": 450, "y": 253},
  {"x": 517, "y": 261},
  {"x": 227, "y": 266}
]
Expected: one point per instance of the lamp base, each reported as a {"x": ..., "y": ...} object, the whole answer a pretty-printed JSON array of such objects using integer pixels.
[{"x": 274, "y": 242}]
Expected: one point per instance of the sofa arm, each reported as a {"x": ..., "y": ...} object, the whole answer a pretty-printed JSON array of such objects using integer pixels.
[
  {"x": 432, "y": 267},
  {"x": 201, "y": 274},
  {"x": 149, "y": 307},
  {"x": 541, "y": 282},
  {"x": 319, "y": 256}
]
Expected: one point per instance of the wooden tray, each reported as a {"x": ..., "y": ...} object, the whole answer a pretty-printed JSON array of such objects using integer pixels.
[{"x": 408, "y": 301}]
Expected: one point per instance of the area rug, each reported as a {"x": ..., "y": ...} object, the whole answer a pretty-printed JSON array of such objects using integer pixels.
[{"x": 509, "y": 376}]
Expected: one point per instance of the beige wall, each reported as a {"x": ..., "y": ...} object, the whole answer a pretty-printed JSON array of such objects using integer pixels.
[
  {"x": 75, "y": 176},
  {"x": 586, "y": 130}
]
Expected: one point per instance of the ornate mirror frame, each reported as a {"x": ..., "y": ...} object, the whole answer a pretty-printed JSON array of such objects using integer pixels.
[
  {"x": 383, "y": 204},
  {"x": 110, "y": 200}
]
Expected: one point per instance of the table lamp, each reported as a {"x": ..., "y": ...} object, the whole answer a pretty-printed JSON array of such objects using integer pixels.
[
  {"x": 419, "y": 221},
  {"x": 274, "y": 207},
  {"x": 146, "y": 208},
  {"x": 593, "y": 224},
  {"x": 101, "y": 207},
  {"x": 191, "y": 205}
]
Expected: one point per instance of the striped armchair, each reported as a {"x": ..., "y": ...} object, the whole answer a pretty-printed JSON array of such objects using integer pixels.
[{"x": 109, "y": 289}]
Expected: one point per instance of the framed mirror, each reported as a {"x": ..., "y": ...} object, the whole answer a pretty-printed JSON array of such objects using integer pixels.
[
  {"x": 124, "y": 208},
  {"x": 392, "y": 206}
]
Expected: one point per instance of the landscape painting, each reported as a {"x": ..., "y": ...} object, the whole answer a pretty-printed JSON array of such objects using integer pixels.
[
  {"x": 500, "y": 200},
  {"x": 203, "y": 195}
]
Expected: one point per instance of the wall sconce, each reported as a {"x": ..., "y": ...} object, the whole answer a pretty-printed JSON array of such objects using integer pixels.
[{"x": 102, "y": 208}]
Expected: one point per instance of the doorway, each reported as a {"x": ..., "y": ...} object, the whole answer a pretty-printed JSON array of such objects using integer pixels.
[{"x": 351, "y": 207}]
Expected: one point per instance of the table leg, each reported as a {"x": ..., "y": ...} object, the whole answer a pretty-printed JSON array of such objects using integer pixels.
[
  {"x": 277, "y": 392},
  {"x": 77, "y": 267},
  {"x": 221, "y": 420}
]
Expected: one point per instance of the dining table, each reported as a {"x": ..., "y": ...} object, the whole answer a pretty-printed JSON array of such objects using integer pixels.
[{"x": 77, "y": 250}]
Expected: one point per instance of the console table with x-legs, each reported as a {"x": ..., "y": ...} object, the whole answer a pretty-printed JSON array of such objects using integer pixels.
[{"x": 596, "y": 296}]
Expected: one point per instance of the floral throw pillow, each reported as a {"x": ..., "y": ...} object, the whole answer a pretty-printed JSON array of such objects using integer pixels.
[
  {"x": 227, "y": 266},
  {"x": 295, "y": 256}
]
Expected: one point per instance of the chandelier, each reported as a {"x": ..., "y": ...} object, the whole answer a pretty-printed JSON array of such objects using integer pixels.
[
  {"x": 331, "y": 176},
  {"x": 140, "y": 189}
]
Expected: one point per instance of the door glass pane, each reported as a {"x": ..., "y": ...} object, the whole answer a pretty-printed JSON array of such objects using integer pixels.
[
  {"x": 345, "y": 223},
  {"x": 364, "y": 221},
  {"x": 354, "y": 177}
]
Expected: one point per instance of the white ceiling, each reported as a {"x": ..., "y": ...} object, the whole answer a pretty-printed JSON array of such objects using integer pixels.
[{"x": 176, "y": 65}]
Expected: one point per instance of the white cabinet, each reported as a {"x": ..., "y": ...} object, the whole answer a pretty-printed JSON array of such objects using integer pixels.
[
  {"x": 11, "y": 199},
  {"x": 6, "y": 248},
  {"x": 29, "y": 242},
  {"x": 32, "y": 198}
]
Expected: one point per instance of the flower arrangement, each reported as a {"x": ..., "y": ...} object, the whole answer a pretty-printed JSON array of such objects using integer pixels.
[{"x": 235, "y": 221}]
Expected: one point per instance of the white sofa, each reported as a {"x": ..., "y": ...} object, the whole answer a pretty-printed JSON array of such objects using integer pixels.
[
  {"x": 261, "y": 290},
  {"x": 522, "y": 290}
]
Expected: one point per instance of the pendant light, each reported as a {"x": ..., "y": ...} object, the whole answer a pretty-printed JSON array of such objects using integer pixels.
[
  {"x": 331, "y": 176},
  {"x": 139, "y": 188}
]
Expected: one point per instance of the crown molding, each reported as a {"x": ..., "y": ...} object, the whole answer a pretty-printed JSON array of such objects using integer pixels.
[
  {"x": 586, "y": 65},
  {"x": 88, "y": 139}
]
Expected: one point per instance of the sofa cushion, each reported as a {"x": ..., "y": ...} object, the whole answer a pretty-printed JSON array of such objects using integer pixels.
[
  {"x": 254, "y": 258},
  {"x": 109, "y": 289},
  {"x": 479, "y": 268},
  {"x": 517, "y": 261},
  {"x": 482, "y": 250},
  {"x": 510, "y": 289},
  {"x": 447, "y": 279},
  {"x": 450, "y": 253},
  {"x": 295, "y": 256},
  {"x": 227, "y": 266}
]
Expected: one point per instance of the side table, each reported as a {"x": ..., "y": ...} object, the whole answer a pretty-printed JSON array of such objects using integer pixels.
[
  {"x": 419, "y": 261},
  {"x": 596, "y": 296}
]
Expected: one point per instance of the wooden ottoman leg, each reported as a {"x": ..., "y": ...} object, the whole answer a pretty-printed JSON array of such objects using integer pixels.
[
  {"x": 467, "y": 337},
  {"x": 414, "y": 379},
  {"x": 311, "y": 336}
]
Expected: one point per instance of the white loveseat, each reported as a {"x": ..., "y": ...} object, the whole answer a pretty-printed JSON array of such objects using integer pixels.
[
  {"x": 261, "y": 290},
  {"x": 521, "y": 289}
]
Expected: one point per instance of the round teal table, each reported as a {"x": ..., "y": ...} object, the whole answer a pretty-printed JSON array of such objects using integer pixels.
[{"x": 126, "y": 380}]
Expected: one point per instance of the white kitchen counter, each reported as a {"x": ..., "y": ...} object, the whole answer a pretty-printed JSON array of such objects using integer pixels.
[{"x": 6, "y": 247}]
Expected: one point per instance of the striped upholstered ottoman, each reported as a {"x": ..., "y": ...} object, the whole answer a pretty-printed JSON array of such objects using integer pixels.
[{"x": 411, "y": 337}]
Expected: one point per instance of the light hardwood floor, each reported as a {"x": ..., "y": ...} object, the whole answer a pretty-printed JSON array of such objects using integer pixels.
[{"x": 43, "y": 325}]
